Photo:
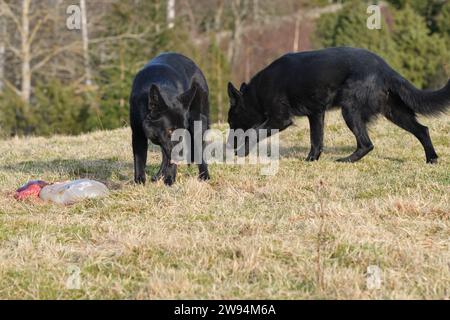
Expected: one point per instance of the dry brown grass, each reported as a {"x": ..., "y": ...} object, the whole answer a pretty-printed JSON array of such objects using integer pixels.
[{"x": 311, "y": 231}]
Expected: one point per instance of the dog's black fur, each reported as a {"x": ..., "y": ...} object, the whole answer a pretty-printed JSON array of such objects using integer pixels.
[
  {"x": 169, "y": 93},
  {"x": 309, "y": 83}
]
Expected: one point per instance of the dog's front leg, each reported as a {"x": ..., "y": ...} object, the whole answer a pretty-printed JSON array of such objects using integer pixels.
[
  {"x": 170, "y": 174},
  {"x": 168, "y": 168},
  {"x": 162, "y": 168},
  {"x": 167, "y": 171},
  {"x": 203, "y": 173}
]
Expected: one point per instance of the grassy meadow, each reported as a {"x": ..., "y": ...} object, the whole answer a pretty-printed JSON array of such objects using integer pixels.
[{"x": 308, "y": 232}]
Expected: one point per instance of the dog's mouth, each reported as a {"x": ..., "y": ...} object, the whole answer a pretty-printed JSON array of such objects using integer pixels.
[{"x": 245, "y": 144}]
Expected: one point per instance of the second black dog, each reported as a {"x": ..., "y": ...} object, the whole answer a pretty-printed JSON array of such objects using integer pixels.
[
  {"x": 169, "y": 93},
  {"x": 309, "y": 83}
]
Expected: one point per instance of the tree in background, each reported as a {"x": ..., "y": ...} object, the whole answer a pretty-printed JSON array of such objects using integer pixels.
[
  {"x": 31, "y": 43},
  {"x": 123, "y": 48},
  {"x": 428, "y": 9},
  {"x": 13, "y": 114},
  {"x": 56, "y": 80},
  {"x": 421, "y": 55},
  {"x": 348, "y": 27},
  {"x": 32, "y": 53},
  {"x": 85, "y": 39},
  {"x": 2, "y": 52},
  {"x": 217, "y": 71},
  {"x": 443, "y": 23},
  {"x": 171, "y": 6},
  {"x": 135, "y": 44},
  {"x": 404, "y": 40},
  {"x": 61, "y": 110}
]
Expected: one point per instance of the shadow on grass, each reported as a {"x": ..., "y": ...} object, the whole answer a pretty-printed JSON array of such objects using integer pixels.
[
  {"x": 302, "y": 151},
  {"x": 110, "y": 171},
  {"x": 393, "y": 159}
]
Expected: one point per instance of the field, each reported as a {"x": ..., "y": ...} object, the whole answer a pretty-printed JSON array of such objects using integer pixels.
[{"x": 311, "y": 231}]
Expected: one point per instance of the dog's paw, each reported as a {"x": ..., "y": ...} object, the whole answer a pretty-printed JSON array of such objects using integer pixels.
[
  {"x": 204, "y": 176},
  {"x": 139, "y": 180},
  {"x": 432, "y": 161},
  {"x": 314, "y": 154},
  {"x": 169, "y": 180},
  {"x": 311, "y": 158}
]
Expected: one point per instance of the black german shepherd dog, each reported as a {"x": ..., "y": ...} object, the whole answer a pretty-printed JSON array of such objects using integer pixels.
[
  {"x": 309, "y": 83},
  {"x": 169, "y": 93}
]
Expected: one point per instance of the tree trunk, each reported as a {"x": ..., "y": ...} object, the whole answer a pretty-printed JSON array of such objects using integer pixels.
[
  {"x": 25, "y": 91},
  {"x": 239, "y": 9},
  {"x": 295, "y": 45},
  {"x": 235, "y": 44},
  {"x": 2, "y": 52},
  {"x": 247, "y": 63},
  {"x": 256, "y": 13},
  {"x": 85, "y": 39},
  {"x": 218, "y": 22},
  {"x": 192, "y": 19},
  {"x": 219, "y": 82},
  {"x": 218, "y": 19},
  {"x": 170, "y": 14},
  {"x": 122, "y": 71},
  {"x": 217, "y": 29}
]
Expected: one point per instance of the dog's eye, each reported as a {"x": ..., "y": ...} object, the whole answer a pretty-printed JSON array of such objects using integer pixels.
[{"x": 170, "y": 131}]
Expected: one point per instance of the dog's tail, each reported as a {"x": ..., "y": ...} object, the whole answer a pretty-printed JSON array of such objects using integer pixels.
[{"x": 421, "y": 101}]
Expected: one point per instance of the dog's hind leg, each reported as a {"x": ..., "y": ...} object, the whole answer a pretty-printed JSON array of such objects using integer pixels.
[
  {"x": 358, "y": 126},
  {"x": 203, "y": 173},
  {"x": 406, "y": 119},
  {"x": 316, "y": 123}
]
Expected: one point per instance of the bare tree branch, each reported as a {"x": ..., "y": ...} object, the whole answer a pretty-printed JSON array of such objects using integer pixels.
[
  {"x": 6, "y": 10},
  {"x": 53, "y": 54},
  {"x": 37, "y": 28},
  {"x": 12, "y": 87}
]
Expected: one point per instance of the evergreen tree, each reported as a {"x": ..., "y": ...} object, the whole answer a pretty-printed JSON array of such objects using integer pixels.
[
  {"x": 14, "y": 115},
  {"x": 58, "y": 109},
  {"x": 421, "y": 55},
  {"x": 119, "y": 60},
  {"x": 406, "y": 43},
  {"x": 443, "y": 22},
  {"x": 217, "y": 71},
  {"x": 428, "y": 9}
]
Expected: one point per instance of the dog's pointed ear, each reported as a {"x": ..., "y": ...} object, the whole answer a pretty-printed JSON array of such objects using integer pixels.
[
  {"x": 187, "y": 98},
  {"x": 234, "y": 95},
  {"x": 243, "y": 87},
  {"x": 155, "y": 100}
]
